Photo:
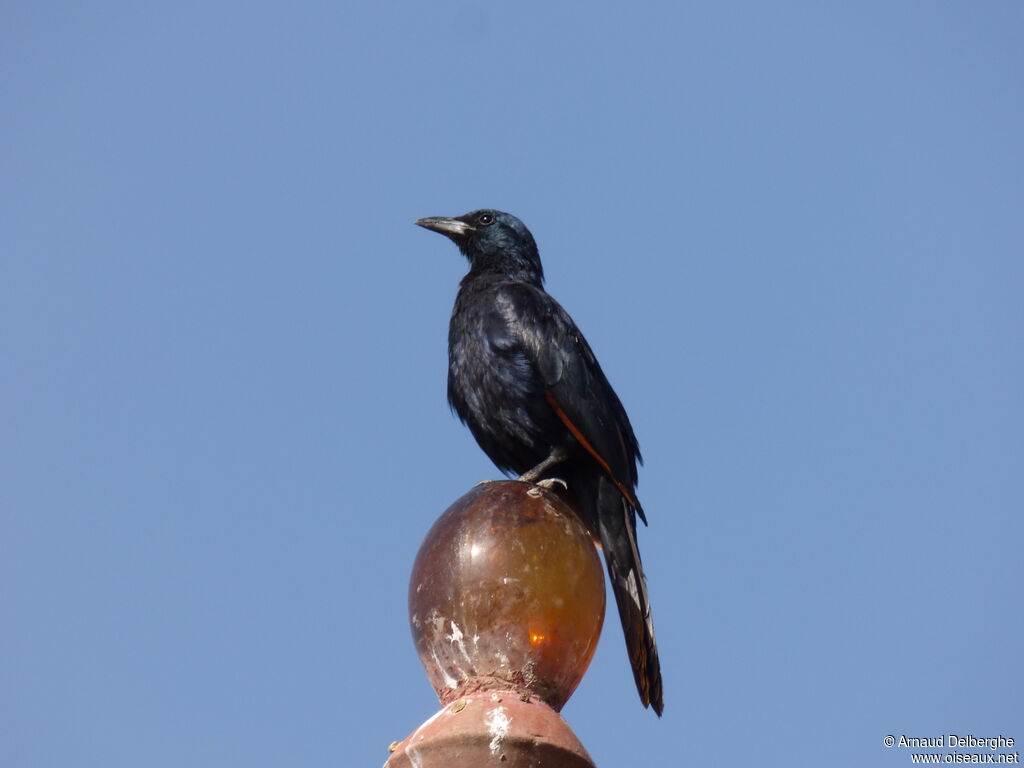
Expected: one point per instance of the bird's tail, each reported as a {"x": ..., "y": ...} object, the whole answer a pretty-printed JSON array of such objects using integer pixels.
[{"x": 616, "y": 525}]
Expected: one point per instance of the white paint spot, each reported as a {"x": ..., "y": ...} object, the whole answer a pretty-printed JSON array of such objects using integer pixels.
[
  {"x": 456, "y": 635},
  {"x": 456, "y": 638},
  {"x": 498, "y": 723},
  {"x": 437, "y": 620},
  {"x": 449, "y": 681}
]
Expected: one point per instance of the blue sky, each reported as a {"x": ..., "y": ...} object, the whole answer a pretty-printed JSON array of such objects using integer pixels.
[{"x": 791, "y": 232}]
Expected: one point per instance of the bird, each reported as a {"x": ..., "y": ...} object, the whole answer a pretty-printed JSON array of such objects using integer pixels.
[{"x": 525, "y": 381}]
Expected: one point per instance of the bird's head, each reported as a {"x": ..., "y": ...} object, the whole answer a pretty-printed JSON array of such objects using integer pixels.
[{"x": 493, "y": 241}]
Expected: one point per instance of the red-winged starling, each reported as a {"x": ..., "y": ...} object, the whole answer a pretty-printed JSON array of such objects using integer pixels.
[{"x": 526, "y": 383}]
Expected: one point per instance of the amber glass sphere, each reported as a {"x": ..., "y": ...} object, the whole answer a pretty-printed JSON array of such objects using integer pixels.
[{"x": 507, "y": 592}]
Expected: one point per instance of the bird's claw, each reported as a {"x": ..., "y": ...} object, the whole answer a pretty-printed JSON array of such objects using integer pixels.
[{"x": 547, "y": 484}]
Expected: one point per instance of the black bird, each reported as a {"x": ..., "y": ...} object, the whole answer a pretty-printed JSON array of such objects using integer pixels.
[{"x": 526, "y": 383}]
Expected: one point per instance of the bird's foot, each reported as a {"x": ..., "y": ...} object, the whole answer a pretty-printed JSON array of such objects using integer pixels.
[
  {"x": 547, "y": 484},
  {"x": 485, "y": 482}
]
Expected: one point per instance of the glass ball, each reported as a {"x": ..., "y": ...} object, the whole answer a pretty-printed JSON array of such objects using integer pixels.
[{"x": 507, "y": 593}]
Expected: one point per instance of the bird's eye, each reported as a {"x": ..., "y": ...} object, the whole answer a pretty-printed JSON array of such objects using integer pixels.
[{"x": 485, "y": 218}]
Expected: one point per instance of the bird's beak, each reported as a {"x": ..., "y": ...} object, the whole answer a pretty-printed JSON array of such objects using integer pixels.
[{"x": 456, "y": 229}]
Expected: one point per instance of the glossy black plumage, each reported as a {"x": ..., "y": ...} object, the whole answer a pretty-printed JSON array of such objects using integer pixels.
[{"x": 524, "y": 380}]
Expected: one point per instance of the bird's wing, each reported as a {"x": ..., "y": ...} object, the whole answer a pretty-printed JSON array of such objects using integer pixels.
[
  {"x": 576, "y": 389},
  {"x": 575, "y": 386}
]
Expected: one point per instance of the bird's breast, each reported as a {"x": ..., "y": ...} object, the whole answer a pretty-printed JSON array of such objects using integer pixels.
[{"x": 494, "y": 387}]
